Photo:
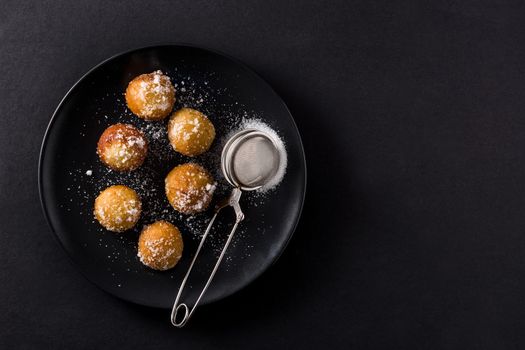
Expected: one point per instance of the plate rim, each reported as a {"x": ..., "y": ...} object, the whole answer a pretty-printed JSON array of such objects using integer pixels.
[{"x": 43, "y": 145}]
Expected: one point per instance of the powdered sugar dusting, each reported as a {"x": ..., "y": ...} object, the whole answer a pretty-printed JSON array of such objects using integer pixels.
[
  {"x": 160, "y": 250},
  {"x": 155, "y": 94},
  {"x": 258, "y": 124},
  {"x": 227, "y": 115},
  {"x": 283, "y": 157}
]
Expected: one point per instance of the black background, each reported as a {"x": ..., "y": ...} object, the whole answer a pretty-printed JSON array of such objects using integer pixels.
[{"x": 412, "y": 116}]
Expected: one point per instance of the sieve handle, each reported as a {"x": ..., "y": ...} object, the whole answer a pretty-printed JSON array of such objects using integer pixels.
[{"x": 232, "y": 201}]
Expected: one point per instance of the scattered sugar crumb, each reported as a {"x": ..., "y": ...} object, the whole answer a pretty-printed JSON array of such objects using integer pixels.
[{"x": 227, "y": 114}]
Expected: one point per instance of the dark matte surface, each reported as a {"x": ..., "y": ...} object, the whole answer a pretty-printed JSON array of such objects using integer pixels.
[
  {"x": 109, "y": 260},
  {"x": 413, "y": 234}
]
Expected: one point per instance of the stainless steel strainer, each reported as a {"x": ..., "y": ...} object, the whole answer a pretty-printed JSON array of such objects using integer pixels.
[{"x": 249, "y": 160}]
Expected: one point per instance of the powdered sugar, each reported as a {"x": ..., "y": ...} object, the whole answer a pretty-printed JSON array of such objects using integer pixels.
[
  {"x": 156, "y": 94},
  {"x": 253, "y": 123},
  {"x": 148, "y": 181},
  {"x": 160, "y": 253}
]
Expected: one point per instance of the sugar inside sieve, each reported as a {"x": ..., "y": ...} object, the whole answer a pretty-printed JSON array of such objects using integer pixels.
[{"x": 250, "y": 160}]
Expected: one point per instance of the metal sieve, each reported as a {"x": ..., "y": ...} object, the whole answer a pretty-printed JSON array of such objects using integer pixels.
[{"x": 249, "y": 160}]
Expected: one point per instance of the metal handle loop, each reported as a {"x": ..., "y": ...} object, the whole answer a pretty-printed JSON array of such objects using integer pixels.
[{"x": 232, "y": 201}]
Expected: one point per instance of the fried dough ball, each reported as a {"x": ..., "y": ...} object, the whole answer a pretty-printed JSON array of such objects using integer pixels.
[
  {"x": 151, "y": 96},
  {"x": 190, "y": 132},
  {"x": 117, "y": 208},
  {"x": 160, "y": 245},
  {"x": 189, "y": 188},
  {"x": 122, "y": 147}
]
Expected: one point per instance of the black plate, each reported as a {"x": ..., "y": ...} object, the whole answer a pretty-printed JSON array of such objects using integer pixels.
[{"x": 226, "y": 91}]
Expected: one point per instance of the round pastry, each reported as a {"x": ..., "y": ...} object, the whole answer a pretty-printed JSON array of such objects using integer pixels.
[
  {"x": 117, "y": 208},
  {"x": 189, "y": 188},
  {"x": 160, "y": 245},
  {"x": 122, "y": 147},
  {"x": 151, "y": 96},
  {"x": 190, "y": 132}
]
